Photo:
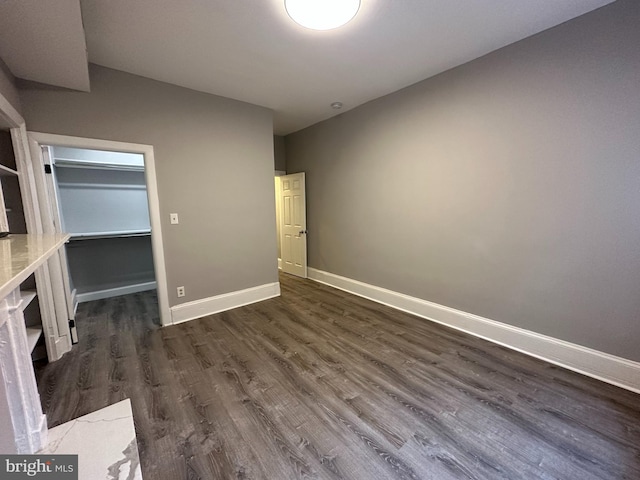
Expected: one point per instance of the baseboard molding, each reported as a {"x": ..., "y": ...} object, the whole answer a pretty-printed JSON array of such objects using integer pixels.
[
  {"x": 208, "y": 306},
  {"x": 593, "y": 363},
  {"x": 114, "y": 292}
]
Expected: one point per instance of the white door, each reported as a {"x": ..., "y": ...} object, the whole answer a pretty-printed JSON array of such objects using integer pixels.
[
  {"x": 52, "y": 191},
  {"x": 293, "y": 233},
  {"x": 57, "y": 264}
]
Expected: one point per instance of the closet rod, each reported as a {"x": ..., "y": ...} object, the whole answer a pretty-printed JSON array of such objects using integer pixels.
[
  {"x": 64, "y": 163},
  {"x": 101, "y": 186},
  {"x": 100, "y": 235}
]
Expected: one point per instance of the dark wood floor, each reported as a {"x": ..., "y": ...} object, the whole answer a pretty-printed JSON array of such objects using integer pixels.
[{"x": 322, "y": 384}]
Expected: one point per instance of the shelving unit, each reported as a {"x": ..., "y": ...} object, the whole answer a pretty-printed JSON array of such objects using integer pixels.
[
  {"x": 29, "y": 259},
  {"x": 33, "y": 333},
  {"x": 101, "y": 200},
  {"x": 20, "y": 257},
  {"x": 16, "y": 223}
]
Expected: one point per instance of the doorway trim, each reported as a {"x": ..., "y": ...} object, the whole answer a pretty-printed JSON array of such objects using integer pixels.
[
  {"x": 152, "y": 194},
  {"x": 279, "y": 173}
]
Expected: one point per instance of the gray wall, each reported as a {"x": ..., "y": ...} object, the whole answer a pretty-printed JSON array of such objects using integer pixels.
[
  {"x": 508, "y": 187},
  {"x": 7, "y": 86},
  {"x": 214, "y": 161},
  {"x": 279, "y": 153},
  {"x": 280, "y": 163},
  {"x": 101, "y": 264}
]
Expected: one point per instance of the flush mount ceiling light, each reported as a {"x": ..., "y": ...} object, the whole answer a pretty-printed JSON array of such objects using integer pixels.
[{"x": 322, "y": 14}]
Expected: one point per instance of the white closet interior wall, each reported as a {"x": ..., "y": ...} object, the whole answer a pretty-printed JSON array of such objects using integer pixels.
[{"x": 102, "y": 202}]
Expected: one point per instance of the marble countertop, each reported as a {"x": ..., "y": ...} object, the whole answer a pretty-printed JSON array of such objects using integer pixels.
[
  {"x": 21, "y": 255},
  {"x": 105, "y": 442}
]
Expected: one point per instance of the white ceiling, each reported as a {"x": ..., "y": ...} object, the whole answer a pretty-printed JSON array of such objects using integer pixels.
[{"x": 251, "y": 51}]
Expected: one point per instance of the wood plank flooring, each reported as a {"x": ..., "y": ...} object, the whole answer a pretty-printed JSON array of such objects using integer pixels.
[{"x": 319, "y": 384}]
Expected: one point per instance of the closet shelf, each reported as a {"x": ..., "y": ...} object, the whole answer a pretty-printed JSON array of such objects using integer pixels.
[
  {"x": 7, "y": 172},
  {"x": 70, "y": 163},
  {"x": 100, "y": 186},
  {"x": 120, "y": 234},
  {"x": 27, "y": 296},
  {"x": 33, "y": 335}
]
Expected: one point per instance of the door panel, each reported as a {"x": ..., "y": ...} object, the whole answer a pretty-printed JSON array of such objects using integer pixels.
[
  {"x": 52, "y": 285},
  {"x": 294, "y": 225}
]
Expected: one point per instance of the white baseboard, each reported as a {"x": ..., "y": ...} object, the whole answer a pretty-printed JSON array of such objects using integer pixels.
[
  {"x": 114, "y": 292},
  {"x": 208, "y": 306},
  {"x": 279, "y": 264},
  {"x": 593, "y": 363}
]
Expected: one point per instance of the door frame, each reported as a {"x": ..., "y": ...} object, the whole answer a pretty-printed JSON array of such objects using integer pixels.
[
  {"x": 278, "y": 174},
  {"x": 157, "y": 244},
  {"x": 64, "y": 264}
]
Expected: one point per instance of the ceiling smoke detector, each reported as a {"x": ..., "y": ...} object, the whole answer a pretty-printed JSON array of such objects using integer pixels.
[{"x": 322, "y": 14}]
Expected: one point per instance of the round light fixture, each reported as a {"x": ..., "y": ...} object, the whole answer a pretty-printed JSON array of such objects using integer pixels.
[
  {"x": 322, "y": 14},
  {"x": 336, "y": 105}
]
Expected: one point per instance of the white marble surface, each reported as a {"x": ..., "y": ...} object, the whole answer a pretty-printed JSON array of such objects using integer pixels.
[
  {"x": 21, "y": 255},
  {"x": 105, "y": 442},
  {"x": 25, "y": 428}
]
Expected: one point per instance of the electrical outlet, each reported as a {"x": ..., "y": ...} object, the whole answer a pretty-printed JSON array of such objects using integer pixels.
[
  {"x": 181, "y": 292},
  {"x": 174, "y": 218}
]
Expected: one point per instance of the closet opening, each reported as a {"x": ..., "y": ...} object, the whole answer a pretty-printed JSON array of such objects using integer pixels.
[
  {"x": 100, "y": 199},
  {"x": 104, "y": 194}
]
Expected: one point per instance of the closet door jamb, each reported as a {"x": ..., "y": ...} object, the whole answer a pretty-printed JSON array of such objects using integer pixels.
[{"x": 52, "y": 278}]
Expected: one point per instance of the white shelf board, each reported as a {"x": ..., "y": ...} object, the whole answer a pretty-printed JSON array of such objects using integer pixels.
[
  {"x": 114, "y": 234},
  {"x": 73, "y": 163},
  {"x": 33, "y": 334},
  {"x": 8, "y": 172},
  {"x": 27, "y": 297}
]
